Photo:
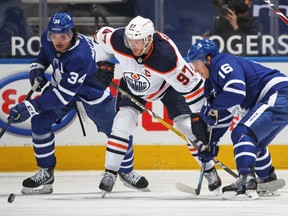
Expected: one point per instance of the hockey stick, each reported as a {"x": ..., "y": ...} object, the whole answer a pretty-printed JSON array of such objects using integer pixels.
[
  {"x": 170, "y": 127},
  {"x": 81, "y": 115},
  {"x": 200, "y": 180},
  {"x": 277, "y": 11},
  {"x": 10, "y": 120}
]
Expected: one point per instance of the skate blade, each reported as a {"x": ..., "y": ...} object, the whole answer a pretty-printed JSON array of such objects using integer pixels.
[
  {"x": 268, "y": 193},
  {"x": 271, "y": 186},
  {"x": 135, "y": 188},
  {"x": 42, "y": 189},
  {"x": 103, "y": 193},
  {"x": 249, "y": 195},
  {"x": 217, "y": 191}
]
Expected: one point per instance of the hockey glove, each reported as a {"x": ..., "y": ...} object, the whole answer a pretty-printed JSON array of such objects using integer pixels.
[
  {"x": 21, "y": 112},
  {"x": 208, "y": 114},
  {"x": 208, "y": 152},
  {"x": 36, "y": 72},
  {"x": 199, "y": 128},
  {"x": 105, "y": 73}
]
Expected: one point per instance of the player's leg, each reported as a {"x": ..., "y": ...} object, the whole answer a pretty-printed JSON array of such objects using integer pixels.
[
  {"x": 44, "y": 151},
  {"x": 118, "y": 144},
  {"x": 179, "y": 111},
  {"x": 119, "y": 151},
  {"x": 245, "y": 151},
  {"x": 254, "y": 132},
  {"x": 267, "y": 180},
  {"x": 127, "y": 173}
]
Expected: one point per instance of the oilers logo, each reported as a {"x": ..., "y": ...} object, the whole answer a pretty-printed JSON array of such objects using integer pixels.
[
  {"x": 137, "y": 82},
  {"x": 13, "y": 90}
]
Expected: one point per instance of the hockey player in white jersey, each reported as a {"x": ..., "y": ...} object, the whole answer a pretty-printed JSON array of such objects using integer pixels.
[
  {"x": 153, "y": 69},
  {"x": 72, "y": 57},
  {"x": 259, "y": 97}
]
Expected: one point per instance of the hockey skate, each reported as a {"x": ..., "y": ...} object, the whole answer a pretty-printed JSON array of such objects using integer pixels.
[
  {"x": 107, "y": 183},
  {"x": 245, "y": 188},
  {"x": 134, "y": 181},
  {"x": 214, "y": 181},
  {"x": 40, "y": 183},
  {"x": 270, "y": 186}
]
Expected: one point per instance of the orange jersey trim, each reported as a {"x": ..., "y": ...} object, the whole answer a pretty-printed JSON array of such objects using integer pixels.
[{"x": 199, "y": 91}]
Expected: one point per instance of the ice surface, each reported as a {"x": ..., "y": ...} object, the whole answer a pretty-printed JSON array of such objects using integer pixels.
[{"x": 77, "y": 193}]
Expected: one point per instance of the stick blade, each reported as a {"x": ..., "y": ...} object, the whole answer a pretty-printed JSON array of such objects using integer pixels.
[{"x": 185, "y": 188}]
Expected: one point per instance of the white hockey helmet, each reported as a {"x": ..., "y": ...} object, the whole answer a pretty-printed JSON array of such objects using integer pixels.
[{"x": 139, "y": 28}]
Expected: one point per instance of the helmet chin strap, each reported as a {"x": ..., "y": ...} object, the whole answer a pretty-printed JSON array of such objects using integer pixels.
[{"x": 146, "y": 46}]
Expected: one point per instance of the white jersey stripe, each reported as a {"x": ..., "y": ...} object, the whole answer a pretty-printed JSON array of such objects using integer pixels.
[{"x": 260, "y": 110}]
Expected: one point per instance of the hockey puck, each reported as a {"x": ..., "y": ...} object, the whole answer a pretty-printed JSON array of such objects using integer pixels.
[{"x": 11, "y": 198}]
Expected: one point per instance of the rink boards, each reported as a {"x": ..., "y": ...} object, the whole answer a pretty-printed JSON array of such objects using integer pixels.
[
  {"x": 147, "y": 157},
  {"x": 155, "y": 146}
]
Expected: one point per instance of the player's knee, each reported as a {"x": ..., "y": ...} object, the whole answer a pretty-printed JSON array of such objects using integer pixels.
[
  {"x": 183, "y": 123},
  {"x": 42, "y": 123},
  {"x": 240, "y": 131},
  {"x": 125, "y": 121},
  {"x": 180, "y": 120},
  {"x": 37, "y": 125}
]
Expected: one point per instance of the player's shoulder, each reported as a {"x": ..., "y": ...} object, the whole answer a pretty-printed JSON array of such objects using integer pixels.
[
  {"x": 107, "y": 36},
  {"x": 82, "y": 52},
  {"x": 224, "y": 59},
  {"x": 102, "y": 35},
  {"x": 165, "y": 55},
  {"x": 118, "y": 44}
]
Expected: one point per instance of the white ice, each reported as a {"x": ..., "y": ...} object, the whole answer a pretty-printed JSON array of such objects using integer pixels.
[{"x": 77, "y": 193}]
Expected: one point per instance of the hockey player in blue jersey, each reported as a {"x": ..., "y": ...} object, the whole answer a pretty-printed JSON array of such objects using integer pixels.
[
  {"x": 72, "y": 58},
  {"x": 255, "y": 93}
]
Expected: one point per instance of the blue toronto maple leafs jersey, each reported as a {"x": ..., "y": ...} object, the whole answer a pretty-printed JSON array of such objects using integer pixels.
[
  {"x": 73, "y": 74},
  {"x": 239, "y": 83}
]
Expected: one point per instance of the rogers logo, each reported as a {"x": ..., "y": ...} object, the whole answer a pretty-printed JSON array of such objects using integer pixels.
[{"x": 13, "y": 90}]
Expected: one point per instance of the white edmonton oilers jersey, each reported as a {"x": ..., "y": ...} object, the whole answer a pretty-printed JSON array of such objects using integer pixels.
[{"x": 149, "y": 76}]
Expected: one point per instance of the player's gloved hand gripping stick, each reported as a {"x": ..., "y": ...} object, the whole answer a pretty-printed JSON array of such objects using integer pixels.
[
  {"x": 11, "y": 118},
  {"x": 205, "y": 148}
]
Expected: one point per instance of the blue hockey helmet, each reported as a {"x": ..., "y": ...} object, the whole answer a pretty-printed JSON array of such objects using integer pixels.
[
  {"x": 201, "y": 49},
  {"x": 60, "y": 23}
]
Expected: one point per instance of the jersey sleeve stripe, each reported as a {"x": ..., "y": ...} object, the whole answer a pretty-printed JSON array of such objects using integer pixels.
[
  {"x": 236, "y": 91},
  {"x": 195, "y": 94},
  {"x": 60, "y": 97},
  {"x": 160, "y": 91},
  {"x": 99, "y": 100},
  {"x": 66, "y": 91},
  {"x": 270, "y": 84}
]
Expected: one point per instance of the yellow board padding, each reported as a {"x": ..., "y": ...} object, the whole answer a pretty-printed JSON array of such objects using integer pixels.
[{"x": 147, "y": 157}]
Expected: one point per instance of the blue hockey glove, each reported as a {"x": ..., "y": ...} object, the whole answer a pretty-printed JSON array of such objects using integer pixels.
[
  {"x": 36, "y": 72},
  {"x": 207, "y": 152},
  {"x": 208, "y": 114},
  {"x": 105, "y": 73},
  {"x": 199, "y": 128},
  {"x": 21, "y": 112}
]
